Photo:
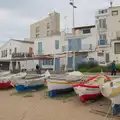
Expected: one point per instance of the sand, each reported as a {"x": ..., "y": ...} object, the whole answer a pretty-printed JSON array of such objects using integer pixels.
[{"x": 39, "y": 107}]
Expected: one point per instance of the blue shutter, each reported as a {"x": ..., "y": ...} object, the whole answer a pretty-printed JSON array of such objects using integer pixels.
[
  {"x": 102, "y": 42},
  {"x": 56, "y": 44}
]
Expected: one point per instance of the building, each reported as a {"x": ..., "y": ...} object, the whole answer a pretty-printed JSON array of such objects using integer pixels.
[
  {"x": 108, "y": 34},
  {"x": 16, "y": 50},
  {"x": 49, "y": 26},
  {"x": 48, "y": 46},
  {"x": 83, "y": 43}
]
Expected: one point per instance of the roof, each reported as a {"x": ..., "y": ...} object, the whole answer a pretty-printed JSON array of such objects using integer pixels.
[
  {"x": 24, "y": 41},
  {"x": 114, "y": 7},
  {"x": 84, "y": 27}
]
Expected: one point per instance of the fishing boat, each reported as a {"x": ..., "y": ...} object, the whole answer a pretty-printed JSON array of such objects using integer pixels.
[
  {"x": 62, "y": 84},
  {"x": 33, "y": 83},
  {"x": 4, "y": 73},
  {"x": 5, "y": 81},
  {"x": 90, "y": 88},
  {"x": 111, "y": 90}
]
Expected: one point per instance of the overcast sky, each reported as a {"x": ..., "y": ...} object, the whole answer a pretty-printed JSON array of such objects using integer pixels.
[{"x": 17, "y": 15}]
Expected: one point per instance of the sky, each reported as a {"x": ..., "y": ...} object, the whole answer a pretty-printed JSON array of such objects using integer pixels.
[{"x": 17, "y": 15}]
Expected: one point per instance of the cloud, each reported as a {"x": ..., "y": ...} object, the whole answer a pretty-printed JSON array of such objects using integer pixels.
[{"x": 17, "y": 15}]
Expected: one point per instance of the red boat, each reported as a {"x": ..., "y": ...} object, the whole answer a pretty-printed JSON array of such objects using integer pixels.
[
  {"x": 89, "y": 89},
  {"x": 5, "y": 85}
]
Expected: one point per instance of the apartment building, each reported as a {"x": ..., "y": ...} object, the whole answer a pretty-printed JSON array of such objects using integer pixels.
[
  {"x": 49, "y": 26},
  {"x": 108, "y": 34}
]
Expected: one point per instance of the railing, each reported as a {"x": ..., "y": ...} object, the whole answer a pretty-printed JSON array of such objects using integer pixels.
[
  {"x": 102, "y": 12},
  {"x": 84, "y": 47},
  {"x": 21, "y": 55}
]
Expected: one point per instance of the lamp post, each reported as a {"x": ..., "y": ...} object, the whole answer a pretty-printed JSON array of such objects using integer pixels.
[{"x": 74, "y": 6}]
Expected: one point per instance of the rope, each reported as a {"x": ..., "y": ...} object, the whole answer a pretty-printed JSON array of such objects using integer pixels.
[{"x": 106, "y": 116}]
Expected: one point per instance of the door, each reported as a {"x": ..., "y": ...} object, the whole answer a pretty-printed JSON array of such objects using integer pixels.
[
  {"x": 70, "y": 63},
  {"x": 57, "y": 65},
  {"x": 107, "y": 57}
]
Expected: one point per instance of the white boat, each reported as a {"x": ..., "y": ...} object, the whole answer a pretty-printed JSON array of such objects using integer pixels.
[
  {"x": 31, "y": 83},
  {"x": 111, "y": 90},
  {"x": 4, "y": 73},
  {"x": 5, "y": 81},
  {"x": 62, "y": 83},
  {"x": 90, "y": 89}
]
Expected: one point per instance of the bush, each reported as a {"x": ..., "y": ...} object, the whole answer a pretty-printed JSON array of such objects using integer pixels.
[
  {"x": 83, "y": 70},
  {"x": 95, "y": 69},
  {"x": 88, "y": 65},
  {"x": 118, "y": 66}
]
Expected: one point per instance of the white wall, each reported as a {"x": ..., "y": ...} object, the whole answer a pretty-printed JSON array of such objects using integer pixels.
[
  {"x": 12, "y": 44},
  {"x": 90, "y": 39},
  {"x": 49, "y": 44},
  {"x": 113, "y": 23},
  {"x": 21, "y": 47}
]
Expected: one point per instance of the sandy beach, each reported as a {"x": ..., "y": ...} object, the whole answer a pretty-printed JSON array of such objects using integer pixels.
[{"x": 37, "y": 106}]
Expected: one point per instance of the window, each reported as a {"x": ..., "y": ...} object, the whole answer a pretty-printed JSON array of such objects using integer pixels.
[
  {"x": 103, "y": 39},
  {"x": 117, "y": 48},
  {"x": 48, "y": 25},
  {"x": 86, "y": 31},
  {"x": 6, "y": 53},
  {"x": 15, "y": 50},
  {"x": 115, "y": 12},
  {"x": 40, "y": 48},
  {"x": 48, "y": 62},
  {"x": 91, "y": 59},
  {"x": 56, "y": 44},
  {"x": 37, "y": 35},
  {"x": 37, "y": 29},
  {"x": 10, "y": 51},
  {"x": 102, "y": 23},
  {"x": 100, "y": 54},
  {"x": 1, "y": 53}
]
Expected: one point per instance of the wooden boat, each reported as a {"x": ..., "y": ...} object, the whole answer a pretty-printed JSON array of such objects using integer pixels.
[
  {"x": 90, "y": 88},
  {"x": 33, "y": 83},
  {"x": 5, "y": 81},
  {"x": 62, "y": 84},
  {"x": 4, "y": 73},
  {"x": 111, "y": 90}
]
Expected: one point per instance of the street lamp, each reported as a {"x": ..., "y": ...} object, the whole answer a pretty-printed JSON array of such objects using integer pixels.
[{"x": 74, "y": 6}]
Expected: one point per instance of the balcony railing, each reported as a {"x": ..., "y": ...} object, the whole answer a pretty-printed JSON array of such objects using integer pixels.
[
  {"x": 102, "y": 12},
  {"x": 84, "y": 47},
  {"x": 21, "y": 55}
]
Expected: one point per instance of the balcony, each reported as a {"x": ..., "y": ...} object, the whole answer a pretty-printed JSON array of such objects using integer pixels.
[
  {"x": 21, "y": 55},
  {"x": 82, "y": 48}
]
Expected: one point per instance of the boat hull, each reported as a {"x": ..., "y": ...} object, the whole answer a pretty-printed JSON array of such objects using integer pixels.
[
  {"x": 21, "y": 88},
  {"x": 88, "y": 92},
  {"x": 59, "y": 87},
  {"x": 111, "y": 90},
  {"x": 5, "y": 85},
  {"x": 29, "y": 84}
]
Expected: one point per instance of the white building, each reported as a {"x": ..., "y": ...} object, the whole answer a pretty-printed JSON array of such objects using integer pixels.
[
  {"x": 83, "y": 42},
  {"x": 16, "y": 49},
  {"x": 108, "y": 34}
]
